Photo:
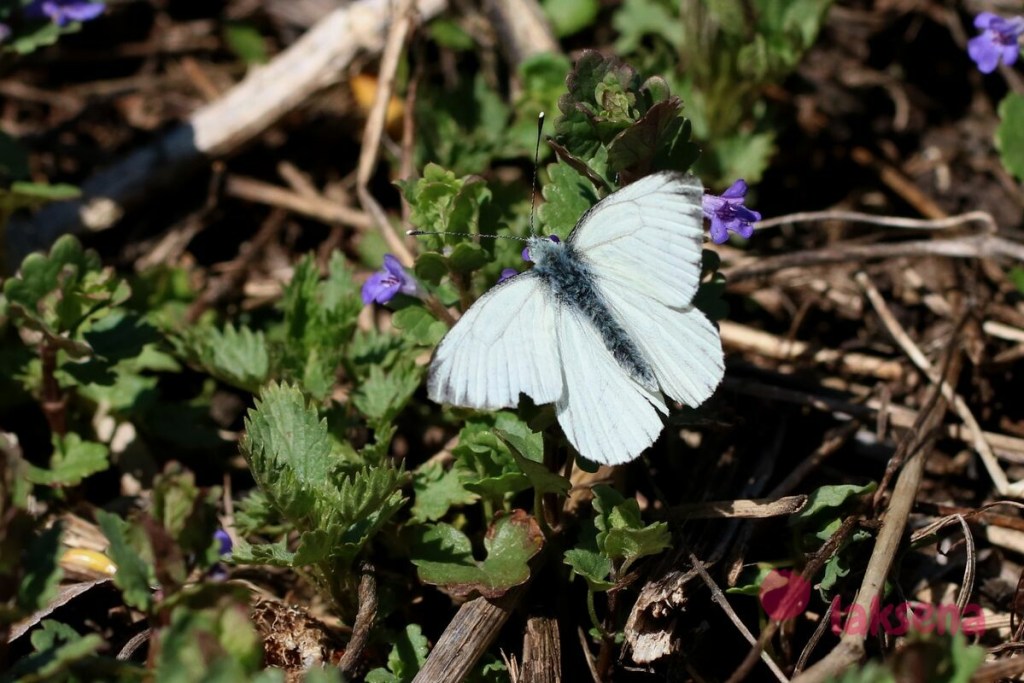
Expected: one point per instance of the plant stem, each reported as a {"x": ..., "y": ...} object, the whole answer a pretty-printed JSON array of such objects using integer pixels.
[{"x": 54, "y": 402}]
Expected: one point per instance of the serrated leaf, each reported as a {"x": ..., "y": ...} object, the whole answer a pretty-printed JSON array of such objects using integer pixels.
[
  {"x": 594, "y": 567},
  {"x": 436, "y": 490},
  {"x": 72, "y": 461},
  {"x": 273, "y": 554},
  {"x": 419, "y": 326},
  {"x": 601, "y": 102},
  {"x": 236, "y": 356},
  {"x": 133, "y": 574},
  {"x": 383, "y": 395},
  {"x": 443, "y": 556},
  {"x": 486, "y": 461},
  {"x": 1010, "y": 134}
]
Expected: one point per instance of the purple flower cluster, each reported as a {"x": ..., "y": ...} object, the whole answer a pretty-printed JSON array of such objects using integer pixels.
[
  {"x": 63, "y": 12},
  {"x": 1000, "y": 38},
  {"x": 727, "y": 213}
]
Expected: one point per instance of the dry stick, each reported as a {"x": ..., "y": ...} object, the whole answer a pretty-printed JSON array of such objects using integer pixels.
[
  {"x": 850, "y": 649},
  {"x": 316, "y": 60},
  {"x": 749, "y": 339},
  {"x": 719, "y": 597},
  {"x": 988, "y": 458},
  {"x": 743, "y": 508},
  {"x": 522, "y": 27},
  {"x": 970, "y": 567},
  {"x": 467, "y": 637},
  {"x": 542, "y": 651},
  {"x": 401, "y": 28},
  {"x": 897, "y": 415},
  {"x": 365, "y": 618},
  {"x": 974, "y": 246},
  {"x": 317, "y": 207},
  {"x": 888, "y": 221}
]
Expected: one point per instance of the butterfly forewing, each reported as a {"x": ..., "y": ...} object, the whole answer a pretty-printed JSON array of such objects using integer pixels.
[
  {"x": 647, "y": 237},
  {"x": 503, "y": 345}
]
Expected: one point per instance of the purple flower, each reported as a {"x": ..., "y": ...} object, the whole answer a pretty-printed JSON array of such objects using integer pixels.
[
  {"x": 63, "y": 12},
  {"x": 507, "y": 273},
  {"x": 999, "y": 38},
  {"x": 526, "y": 250},
  {"x": 224, "y": 540},
  {"x": 389, "y": 281},
  {"x": 727, "y": 213},
  {"x": 5, "y": 32}
]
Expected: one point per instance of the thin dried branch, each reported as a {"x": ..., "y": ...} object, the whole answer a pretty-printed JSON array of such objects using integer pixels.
[
  {"x": 542, "y": 651},
  {"x": 973, "y": 246},
  {"x": 894, "y": 328}
]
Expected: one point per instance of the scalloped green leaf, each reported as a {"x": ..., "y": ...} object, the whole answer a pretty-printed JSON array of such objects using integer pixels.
[{"x": 443, "y": 556}]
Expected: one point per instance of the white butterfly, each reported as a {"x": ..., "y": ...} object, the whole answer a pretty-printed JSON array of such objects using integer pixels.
[{"x": 603, "y": 326}]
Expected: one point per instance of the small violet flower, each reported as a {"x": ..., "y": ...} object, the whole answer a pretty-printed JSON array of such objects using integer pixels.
[
  {"x": 506, "y": 274},
  {"x": 63, "y": 12},
  {"x": 999, "y": 38},
  {"x": 389, "y": 281},
  {"x": 727, "y": 213},
  {"x": 224, "y": 541},
  {"x": 526, "y": 250}
]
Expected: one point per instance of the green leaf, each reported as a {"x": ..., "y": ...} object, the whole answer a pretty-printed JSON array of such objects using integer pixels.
[
  {"x": 621, "y": 533},
  {"x": 57, "y": 293},
  {"x": 419, "y": 326},
  {"x": 383, "y": 395},
  {"x": 133, "y": 575},
  {"x": 443, "y": 556},
  {"x": 440, "y": 201},
  {"x": 72, "y": 461},
  {"x": 431, "y": 267},
  {"x": 272, "y": 554},
  {"x": 487, "y": 465},
  {"x": 449, "y": 34},
  {"x": 1010, "y": 134},
  {"x": 42, "y": 572},
  {"x": 405, "y": 659},
  {"x": 236, "y": 356},
  {"x": 58, "y": 648},
  {"x": 567, "y": 196},
  {"x": 570, "y": 16},
  {"x": 594, "y": 567},
  {"x": 659, "y": 141},
  {"x": 436, "y": 491},
  {"x": 287, "y": 448},
  {"x": 601, "y": 102},
  {"x": 637, "y": 19},
  {"x": 830, "y": 498},
  {"x": 246, "y": 42},
  {"x": 217, "y": 644}
]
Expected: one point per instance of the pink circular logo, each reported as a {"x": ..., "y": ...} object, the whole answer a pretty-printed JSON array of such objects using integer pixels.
[{"x": 784, "y": 594}]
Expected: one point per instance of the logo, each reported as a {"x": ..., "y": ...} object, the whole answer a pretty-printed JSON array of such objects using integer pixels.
[{"x": 785, "y": 595}]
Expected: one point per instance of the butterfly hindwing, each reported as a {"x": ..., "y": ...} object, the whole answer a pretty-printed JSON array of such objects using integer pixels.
[
  {"x": 647, "y": 237},
  {"x": 605, "y": 414},
  {"x": 681, "y": 345},
  {"x": 502, "y": 345}
]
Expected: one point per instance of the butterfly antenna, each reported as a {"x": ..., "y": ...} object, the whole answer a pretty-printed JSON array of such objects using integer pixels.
[
  {"x": 536, "y": 163},
  {"x": 420, "y": 233}
]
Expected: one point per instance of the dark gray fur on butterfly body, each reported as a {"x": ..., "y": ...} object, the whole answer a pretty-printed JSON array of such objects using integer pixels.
[{"x": 567, "y": 275}]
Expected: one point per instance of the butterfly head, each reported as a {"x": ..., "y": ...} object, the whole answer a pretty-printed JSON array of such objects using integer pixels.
[{"x": 540, "y": 249}]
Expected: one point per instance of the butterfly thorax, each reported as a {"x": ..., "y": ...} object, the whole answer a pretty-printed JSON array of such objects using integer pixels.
[{"x": 570, "y": 280}]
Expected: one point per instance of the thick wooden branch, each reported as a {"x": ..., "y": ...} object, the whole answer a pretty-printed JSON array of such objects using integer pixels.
[{"x": 316, "y": 60}]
